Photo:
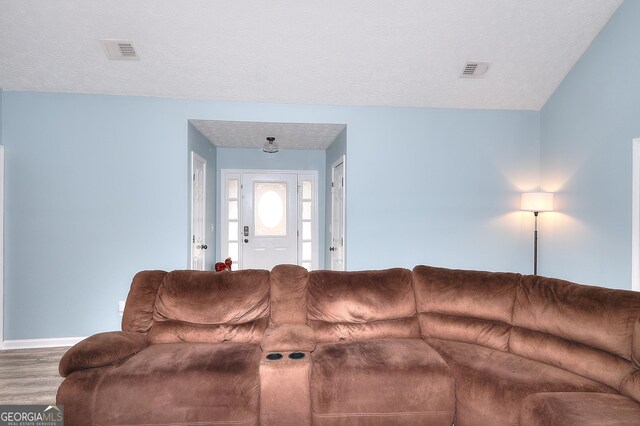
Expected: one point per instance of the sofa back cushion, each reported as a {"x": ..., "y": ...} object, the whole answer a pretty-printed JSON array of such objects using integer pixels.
[
  {"x": 465, "y": 306},
  {"x": 138, "y": 310},
  {"x": 289, "y": 294},
  {"x": 202, "y": 306},
  {"x": 583, "y": 329},
  {"x": 362, "y": 305}
]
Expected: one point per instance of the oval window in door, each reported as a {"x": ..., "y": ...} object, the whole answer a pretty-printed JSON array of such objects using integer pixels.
[{"x": 270, "y": 209}]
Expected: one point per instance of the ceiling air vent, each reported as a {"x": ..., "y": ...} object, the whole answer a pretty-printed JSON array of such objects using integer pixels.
[
  {"x": 475, "y": 69},
  {"x": 119, "y": 49}
]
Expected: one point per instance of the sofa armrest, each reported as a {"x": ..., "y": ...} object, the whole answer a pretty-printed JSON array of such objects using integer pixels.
[
  {"x": 288, "y": 337},
  {"x": 102, "y": 349}
]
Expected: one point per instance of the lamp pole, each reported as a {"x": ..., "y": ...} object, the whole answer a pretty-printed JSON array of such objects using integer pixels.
[
  {"x": 535, "y": 244},
  {"x": 536, "y": 202}
]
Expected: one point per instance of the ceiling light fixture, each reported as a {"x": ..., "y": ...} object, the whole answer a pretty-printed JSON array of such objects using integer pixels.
[{"x": 270, "y": 146}]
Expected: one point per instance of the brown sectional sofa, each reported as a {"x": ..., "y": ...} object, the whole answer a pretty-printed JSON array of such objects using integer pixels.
[{"x": 392, "y": 347}]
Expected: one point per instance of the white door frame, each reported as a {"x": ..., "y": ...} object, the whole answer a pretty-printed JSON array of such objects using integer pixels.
[
  {"x": 226, "y": 174},
  {"x": 195, "y": 157},
  {"x": 635, "y": 221},
  {"x": 342, "y": 159}
]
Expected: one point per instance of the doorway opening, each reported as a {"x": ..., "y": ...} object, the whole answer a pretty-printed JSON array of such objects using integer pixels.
[
  {"x": 269, "y": 217},
  {"x": 237, "y": 147}
]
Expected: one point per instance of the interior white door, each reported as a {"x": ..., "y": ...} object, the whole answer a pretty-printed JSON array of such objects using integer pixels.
[
  {"x": 337, "y": 215},
  {"x": 269, "y": 230},
  {"x": 198, "y": 211}
]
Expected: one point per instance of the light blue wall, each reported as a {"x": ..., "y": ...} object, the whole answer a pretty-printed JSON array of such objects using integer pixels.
[
  {"x": 285, "y": 159},
  {"x": 199, "y": 144},
  {"x": 587, "y": 129},
  {"x": 440, "y": 187},
  {"x": 96, "y": 191},
  {"x": 336, "y": 150}
]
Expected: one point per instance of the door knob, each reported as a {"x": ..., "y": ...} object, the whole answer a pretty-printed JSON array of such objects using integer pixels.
[
  {"x": 332, "y": 249},
  {"x": 203, "y": 247},
  {"x": 246, "y": 240}
]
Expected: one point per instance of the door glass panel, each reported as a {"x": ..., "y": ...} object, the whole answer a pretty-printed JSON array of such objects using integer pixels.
[
  {"x": 306, "y": 265},
  {"x": 306, "y": 189},
  {"x": 233, "y": 231},
  {"x": 270, "y": 209},
  {"x": 233, "y": 252},
  {"x": 232, "y": 188},
  {"x": 306, "y": 210},
  {"x": 306, "y": 230},
  {"x": 306, "y": 251},
  {"x": 233, "y": 210}
]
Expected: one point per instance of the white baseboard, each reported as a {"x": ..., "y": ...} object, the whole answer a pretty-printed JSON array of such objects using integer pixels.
[{"x": 40, "y": 343}]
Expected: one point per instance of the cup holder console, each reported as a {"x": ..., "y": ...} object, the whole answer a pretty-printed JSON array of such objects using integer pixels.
[{"x": 274, "y": 356}]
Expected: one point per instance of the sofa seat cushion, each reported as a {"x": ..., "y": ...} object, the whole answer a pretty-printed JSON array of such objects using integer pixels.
[
  {"x": 579, "y": 408},
  {"x": 491, "y": 384},
  {"x": 380, "y": 382},
  {"x": 182, "y": 384}
]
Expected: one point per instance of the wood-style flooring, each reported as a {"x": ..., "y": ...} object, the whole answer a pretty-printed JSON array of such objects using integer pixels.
[{"x": 30, "y": 376}]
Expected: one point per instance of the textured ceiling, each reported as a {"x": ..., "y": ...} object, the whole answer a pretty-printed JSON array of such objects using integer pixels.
[
  {"x": 249, "y": 134},
  {"x": 356, "y": 52}
]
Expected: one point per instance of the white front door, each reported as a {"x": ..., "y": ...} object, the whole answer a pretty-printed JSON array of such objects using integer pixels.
[
  {"x": 198, "y": 211},
  {"x": 269, "y": 228},
  {"x": 337, "y": 215}
]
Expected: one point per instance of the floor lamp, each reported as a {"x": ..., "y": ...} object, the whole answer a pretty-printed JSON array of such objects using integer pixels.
[{"x": 536, "y": 202}]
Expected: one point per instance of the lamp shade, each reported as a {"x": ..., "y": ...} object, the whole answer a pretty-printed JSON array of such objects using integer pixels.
[{"x": 537, "y": 201}]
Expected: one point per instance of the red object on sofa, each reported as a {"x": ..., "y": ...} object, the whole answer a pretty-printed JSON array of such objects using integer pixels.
[{"x": 223, "y": 266}]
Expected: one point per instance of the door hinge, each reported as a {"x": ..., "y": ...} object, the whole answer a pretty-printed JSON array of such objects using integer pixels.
[
  {"x": 193, "y": 240},
  {"x": 333, "y": 184},
  {"x": 194, "y": 177},
  {"x": 343, "y": 182},
  {"x": 341, "y": 242}
]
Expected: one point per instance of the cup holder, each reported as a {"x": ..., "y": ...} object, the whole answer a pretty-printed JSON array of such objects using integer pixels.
[
  {"x": 274, "y": 356},
  {"x": 296, "y": 355}
]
